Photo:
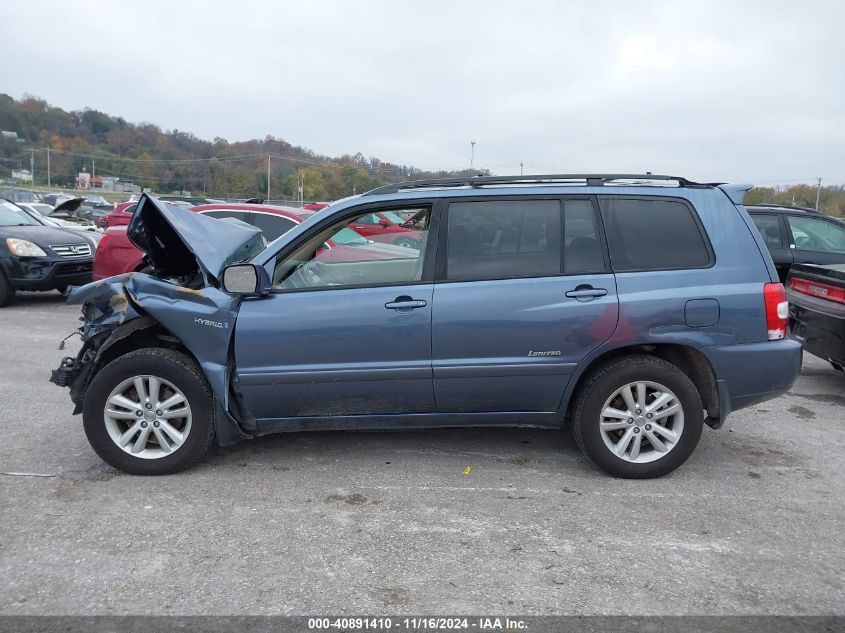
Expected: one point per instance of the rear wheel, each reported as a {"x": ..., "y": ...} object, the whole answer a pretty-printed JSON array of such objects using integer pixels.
[
  {"x": 149, "y": 412},
  {"x": 7, "y": 291},
  {"x": 638, "y": 417}
]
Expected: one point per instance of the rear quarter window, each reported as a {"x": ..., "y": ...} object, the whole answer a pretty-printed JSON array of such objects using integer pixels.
[
  {"x": 653, "y": 234},
  {"x": 226, "y": 213},
  {"x": 271, "y": 225}
]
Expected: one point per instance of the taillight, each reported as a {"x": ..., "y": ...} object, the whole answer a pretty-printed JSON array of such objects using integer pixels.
[
  {"x": 817, "y": 289},
  {"x": 777, "y": 310}
]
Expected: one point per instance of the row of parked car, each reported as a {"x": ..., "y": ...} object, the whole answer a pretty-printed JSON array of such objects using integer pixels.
[
  {"x": 793, "y": 235},
  {"x": 78, "y": 249}
]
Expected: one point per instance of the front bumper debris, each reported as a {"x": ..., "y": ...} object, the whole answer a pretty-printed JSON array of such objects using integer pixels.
[{"x": 67, "y": 372}]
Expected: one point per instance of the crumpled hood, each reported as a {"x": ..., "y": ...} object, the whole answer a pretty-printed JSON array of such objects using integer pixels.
[{"x": 179, "y": 242}]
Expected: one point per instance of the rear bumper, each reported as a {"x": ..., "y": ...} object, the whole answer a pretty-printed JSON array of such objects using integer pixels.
[
  {"x": 752, "y": 373},
  {"x": 47, "y": 274},
  {"x": 821, "y": 328}
]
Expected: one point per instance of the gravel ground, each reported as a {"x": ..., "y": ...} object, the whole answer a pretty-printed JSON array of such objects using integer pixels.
[{"x": 375, "y": 523}]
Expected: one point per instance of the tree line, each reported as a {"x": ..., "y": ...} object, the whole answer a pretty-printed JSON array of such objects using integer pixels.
[{"x": 831, "y": 198}]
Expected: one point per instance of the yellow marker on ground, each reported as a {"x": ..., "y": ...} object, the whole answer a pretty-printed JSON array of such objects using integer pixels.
[{"x": 467, "y": 470}]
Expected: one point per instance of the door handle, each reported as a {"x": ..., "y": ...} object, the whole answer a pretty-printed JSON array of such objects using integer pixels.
[
  {"x": 585, "y": 292},
  {"x": 405, "y": 304}
]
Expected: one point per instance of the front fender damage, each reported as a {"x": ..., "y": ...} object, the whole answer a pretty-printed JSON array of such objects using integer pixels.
[{"x": 200, "y": 320}]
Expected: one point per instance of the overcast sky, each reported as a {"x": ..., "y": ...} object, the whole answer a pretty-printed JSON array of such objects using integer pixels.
[{"x": 745, "y": 91}]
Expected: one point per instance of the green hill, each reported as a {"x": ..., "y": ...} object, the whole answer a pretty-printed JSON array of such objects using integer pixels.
[{"x": 173, "y": 160}]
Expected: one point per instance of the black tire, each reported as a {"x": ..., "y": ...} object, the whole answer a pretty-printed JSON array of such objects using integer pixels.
[
  {"x": 173, "y": 366},
  {"x": 62, "y": 289},
  {"x": 603, "y": 382},
  {"x": 7, "y": 291}
]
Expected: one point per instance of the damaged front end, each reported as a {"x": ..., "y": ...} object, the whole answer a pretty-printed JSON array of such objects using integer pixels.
[{"x": 178, "y": 306}]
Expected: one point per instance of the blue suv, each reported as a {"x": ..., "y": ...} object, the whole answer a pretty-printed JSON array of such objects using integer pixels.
[{"x": 635, "y": 308}]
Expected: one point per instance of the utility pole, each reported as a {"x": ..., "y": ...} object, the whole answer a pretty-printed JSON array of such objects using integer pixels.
[
  {"x": 93, "y": 171},
  {"x": 818, "y": 193},
  {"x": 520, "y": 167},
  {"x": 268, "y": 177},
  {"x": 32, "y": 165},
  {"x": 472, "y": 155},
  {"x": 48, "y": 167}
]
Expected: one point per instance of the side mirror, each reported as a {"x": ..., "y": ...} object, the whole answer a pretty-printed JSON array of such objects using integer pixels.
[{"x": 246, "y": 279}]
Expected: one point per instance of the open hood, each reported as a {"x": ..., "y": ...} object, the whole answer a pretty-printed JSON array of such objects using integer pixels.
[
  {"x": 67, "y": 208},
  {"x": 181, "y": 243}
]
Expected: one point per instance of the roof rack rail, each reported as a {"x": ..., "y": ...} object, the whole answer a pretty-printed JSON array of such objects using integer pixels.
[
  {"x": 591, "y": 180},
  {"x": 784, "y": 206}
]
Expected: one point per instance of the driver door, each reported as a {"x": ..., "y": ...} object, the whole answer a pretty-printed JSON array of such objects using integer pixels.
[{"x": 345, "y": 331}]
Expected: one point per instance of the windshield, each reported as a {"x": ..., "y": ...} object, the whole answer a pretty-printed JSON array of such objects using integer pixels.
[
  {"x": 392, "y": 217},
  {"x": 41, "y": 219},
  {"x": 348, "y": 237},
  {"x": 40, "y": 207},
  {"x": 11, "y": 215}
]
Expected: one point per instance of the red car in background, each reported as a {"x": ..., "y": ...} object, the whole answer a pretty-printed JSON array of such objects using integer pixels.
[
  {"x": 116, "y": 254},
  {"x": 388, "y": 227},
  {"x": 120, "y": 216}
]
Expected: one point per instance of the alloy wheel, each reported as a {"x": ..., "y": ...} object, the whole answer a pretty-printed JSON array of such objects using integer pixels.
[
  {"x": 148, "y": 417},
  {"x": 641, "y": 421}
]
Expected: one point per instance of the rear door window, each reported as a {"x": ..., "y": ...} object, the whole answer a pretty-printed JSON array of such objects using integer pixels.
[
  {"x": 769, "y": 226},
  {"x": 582, "y": 251},
  {"x": 499, "y": 239},
  {"x": 652, "y": 234}
]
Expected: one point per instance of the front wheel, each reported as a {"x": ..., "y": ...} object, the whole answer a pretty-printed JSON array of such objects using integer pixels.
[
  {"x": 638, "y": 417},
  {"x": 149, "y": 412}
]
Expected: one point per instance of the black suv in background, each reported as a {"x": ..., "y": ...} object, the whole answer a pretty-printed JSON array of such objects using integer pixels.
[
  {"x": 796, "y": 235},
  {"x": 36, "y": 256}
]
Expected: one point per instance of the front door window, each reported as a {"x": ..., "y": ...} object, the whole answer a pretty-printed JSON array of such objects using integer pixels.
[
  {"x": 341, "y": 257},
  {"x": 815, "y": 234}
]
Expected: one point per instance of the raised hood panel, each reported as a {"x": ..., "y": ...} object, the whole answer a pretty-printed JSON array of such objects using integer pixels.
[
  {"x": 67, "y": 208},
  {"x": 179, "y": 242}
]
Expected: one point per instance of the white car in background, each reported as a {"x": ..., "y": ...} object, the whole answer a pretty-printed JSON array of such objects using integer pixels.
[
  {"x": 92, "y": 235},
  {"x": 46, "y": 211}
]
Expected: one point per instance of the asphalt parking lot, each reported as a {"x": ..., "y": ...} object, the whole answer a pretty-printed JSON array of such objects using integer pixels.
[{"x": 388, "y": 523}]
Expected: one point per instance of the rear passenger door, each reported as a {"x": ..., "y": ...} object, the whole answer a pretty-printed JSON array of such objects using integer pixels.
[
  {"x": 770, "y": 227},
  {"x": 523, "y": 293}
]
